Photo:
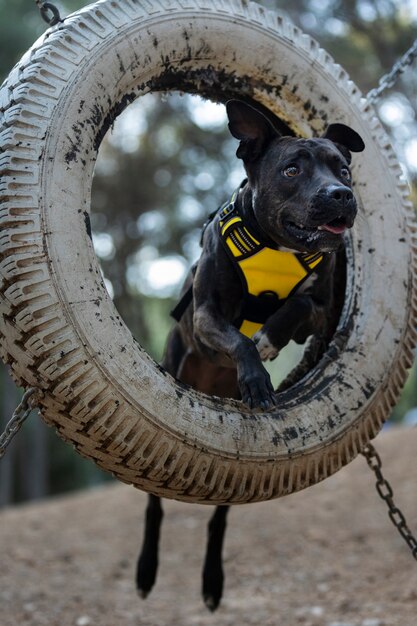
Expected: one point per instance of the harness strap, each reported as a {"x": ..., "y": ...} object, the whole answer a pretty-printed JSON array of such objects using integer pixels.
[
  {"x": 257, "y": 309},
  {"x": 185, "y": 300},
  {"x": 180, "y": 308}
]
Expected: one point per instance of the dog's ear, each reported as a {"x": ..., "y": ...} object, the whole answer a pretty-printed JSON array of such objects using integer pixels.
[
  {"x": 345, "y": 137},
  {"x": 251, "y": 127}
]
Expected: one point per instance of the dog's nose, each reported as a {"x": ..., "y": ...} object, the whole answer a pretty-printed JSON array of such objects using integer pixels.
[{"x": 343, "y": 195}]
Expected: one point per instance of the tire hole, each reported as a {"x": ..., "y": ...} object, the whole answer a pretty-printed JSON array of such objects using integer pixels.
[{"x": 165, "y": 164}]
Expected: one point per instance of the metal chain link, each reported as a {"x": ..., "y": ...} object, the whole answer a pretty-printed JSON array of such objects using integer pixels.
[
  {"x": 389, "y": 79},
  {"x": 49, "y": 12},
  {"x": 20, "y": 414},
  {"x": 385, "y": 491}
]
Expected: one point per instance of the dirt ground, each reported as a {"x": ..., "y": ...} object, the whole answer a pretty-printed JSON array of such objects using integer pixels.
[{"x": 327, "y": 556}]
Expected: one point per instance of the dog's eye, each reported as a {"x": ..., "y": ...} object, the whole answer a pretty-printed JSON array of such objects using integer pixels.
[
  {"x": 291, "y": 170},
  {"x": 345, "y": 173}
]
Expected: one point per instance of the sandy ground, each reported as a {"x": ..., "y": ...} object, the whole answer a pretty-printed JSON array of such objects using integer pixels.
[{"x": 327, "y": 556}]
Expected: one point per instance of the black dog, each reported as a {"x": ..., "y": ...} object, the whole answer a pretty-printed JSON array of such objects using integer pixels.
[{"x": 266, "y": 275}]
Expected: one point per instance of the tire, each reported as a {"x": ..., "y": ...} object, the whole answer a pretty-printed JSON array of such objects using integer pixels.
[{"x": 59, "y": 329}]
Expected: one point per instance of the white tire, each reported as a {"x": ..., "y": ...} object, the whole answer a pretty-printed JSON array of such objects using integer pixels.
[{"x": 59, "y": 329}]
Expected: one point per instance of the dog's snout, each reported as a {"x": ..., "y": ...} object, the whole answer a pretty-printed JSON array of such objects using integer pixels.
[
  {"x": 335, "y": 202},
  {"x": 341, "y": 194}
]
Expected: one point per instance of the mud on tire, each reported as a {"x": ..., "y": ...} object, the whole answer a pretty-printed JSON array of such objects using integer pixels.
[{"x": 59, "y": 329}]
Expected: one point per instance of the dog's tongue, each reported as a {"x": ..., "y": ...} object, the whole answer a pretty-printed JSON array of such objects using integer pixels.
[{"x": 336, "y": 230}]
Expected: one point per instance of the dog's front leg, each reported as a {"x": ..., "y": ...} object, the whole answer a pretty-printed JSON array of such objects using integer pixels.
[
  {"x": 300, "y": 317},
  {"x": 254, "y": 381},
  {"x": 217, "y": 300}
]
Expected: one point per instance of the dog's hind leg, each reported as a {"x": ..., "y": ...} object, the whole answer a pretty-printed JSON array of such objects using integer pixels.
[
  {"x": 147, "y": 564},
  {"x": 208, "y": 378},
  {"x": 148, "y": 559},
  {"x": 219, "y": 381},
  {"x": 213, "y": 570}
]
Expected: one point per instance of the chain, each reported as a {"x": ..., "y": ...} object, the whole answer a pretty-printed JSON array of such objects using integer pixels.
[
  {"x": 385, "y": 491},
  {"x": 389, "y": 79},
  {"x": 20, "y": 414},
  {"x": 49, "y": 12}
]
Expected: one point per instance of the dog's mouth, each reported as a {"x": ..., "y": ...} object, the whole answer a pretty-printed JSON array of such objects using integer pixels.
[{"x": 335, "y": 227}]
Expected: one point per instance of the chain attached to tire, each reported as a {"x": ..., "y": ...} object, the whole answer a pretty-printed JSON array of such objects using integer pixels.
[
  {"x": 20, "y": 414},
  {"x": 390, "y": 78},
  {"x": 49, "y": 12},
  {"x": 385, "y": 491}
]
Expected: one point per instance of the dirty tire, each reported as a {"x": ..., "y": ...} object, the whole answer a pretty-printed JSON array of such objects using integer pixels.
[{"x": 59, "y": 329}]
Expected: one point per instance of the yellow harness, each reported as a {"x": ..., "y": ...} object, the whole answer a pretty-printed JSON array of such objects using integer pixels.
[{"x": 268, "y": 276}]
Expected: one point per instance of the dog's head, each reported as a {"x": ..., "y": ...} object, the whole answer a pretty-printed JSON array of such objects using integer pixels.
[{"x": 301, "y": 188}]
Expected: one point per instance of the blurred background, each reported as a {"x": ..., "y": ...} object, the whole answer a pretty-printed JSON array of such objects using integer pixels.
[{"x": 165, "y": 165}]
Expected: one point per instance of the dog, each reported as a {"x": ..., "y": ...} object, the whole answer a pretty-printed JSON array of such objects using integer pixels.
[{"x": 266, "y": 275}]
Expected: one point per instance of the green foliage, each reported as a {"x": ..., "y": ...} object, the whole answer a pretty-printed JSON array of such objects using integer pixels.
[{"x": 20, "y": 25}]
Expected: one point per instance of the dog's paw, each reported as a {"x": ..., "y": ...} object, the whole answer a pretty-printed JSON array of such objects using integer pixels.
[
  {"x": 146, "y": 574},
  {"x": 212, "y": 587},
  {"x": 256, "y": 390},
  {"x": 266, "y": 350}
]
